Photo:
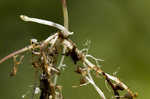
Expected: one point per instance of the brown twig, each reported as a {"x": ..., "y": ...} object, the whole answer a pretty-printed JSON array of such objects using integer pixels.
[{"x": 16, "y": 53}]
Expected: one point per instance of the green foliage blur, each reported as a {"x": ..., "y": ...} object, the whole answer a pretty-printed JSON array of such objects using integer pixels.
[{"x": 119, "y": 31}]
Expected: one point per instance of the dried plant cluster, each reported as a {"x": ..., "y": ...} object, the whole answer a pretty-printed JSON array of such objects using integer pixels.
[{"x": 45, "y": 58}]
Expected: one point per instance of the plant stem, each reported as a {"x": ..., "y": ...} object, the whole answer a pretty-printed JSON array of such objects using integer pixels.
[
  {"x": 66, "y": 25},
  {"x": 65, "y": 31},
  {"x": 65, "y": 12}
]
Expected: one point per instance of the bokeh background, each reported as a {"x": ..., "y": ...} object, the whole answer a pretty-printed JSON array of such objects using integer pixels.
[{"x": 119, "y": 31}]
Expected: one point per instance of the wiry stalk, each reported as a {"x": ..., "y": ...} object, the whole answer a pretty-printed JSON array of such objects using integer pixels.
[
  {"x": 65, "y": 31},
  {"x": 66, "y": 25},
  {"x": 65, "y": 12}
]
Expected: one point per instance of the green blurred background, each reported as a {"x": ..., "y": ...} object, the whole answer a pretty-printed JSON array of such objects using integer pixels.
[{"x": 118, "y": 29}]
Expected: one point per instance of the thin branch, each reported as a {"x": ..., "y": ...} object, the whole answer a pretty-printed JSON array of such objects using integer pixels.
[
  {"x": 65, "y": 33},
  {"x": 66, "y": 25},
  {"x": 90, "y": 79},
  {"x": 60, "y": 65},
  {"x": 16, "y": 53},
  {"x": 28, "y": 48},
  {"x": 65, "y": 12}
]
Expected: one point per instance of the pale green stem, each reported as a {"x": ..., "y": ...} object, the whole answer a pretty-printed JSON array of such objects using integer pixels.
[{"x": 65, "y": 13}]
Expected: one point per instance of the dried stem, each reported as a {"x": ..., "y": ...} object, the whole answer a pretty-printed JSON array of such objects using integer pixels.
[
  {"x": 60, "y": 65},
  {"x": 65, "y": 32},
  {"x": 66, "y": 25},
  {"x": 16, "y": 53},
  {"x": 65, "y": 12},
  {"x": 47, "y": 52},
  {"x": 90, "y": 79},
  {"x": 27, "y": 48}
]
